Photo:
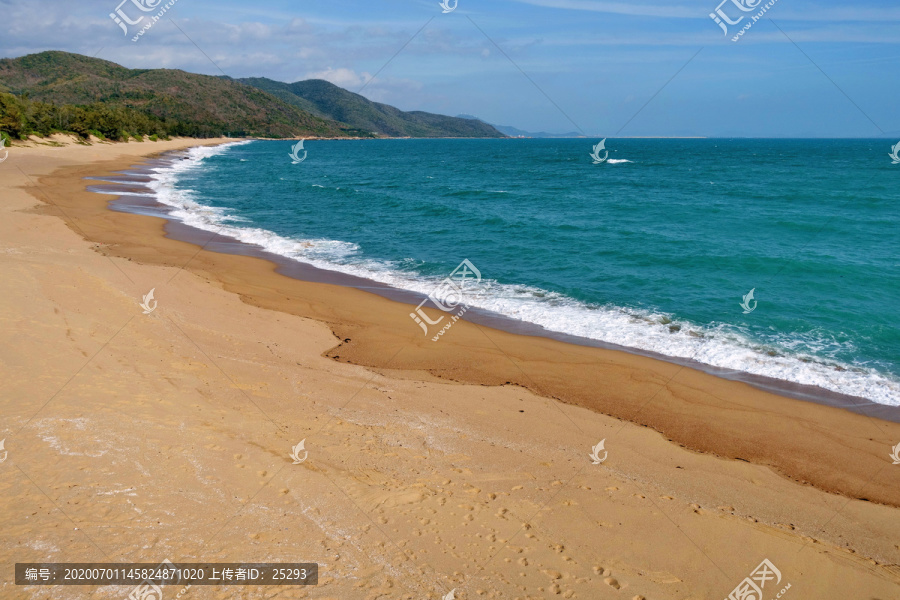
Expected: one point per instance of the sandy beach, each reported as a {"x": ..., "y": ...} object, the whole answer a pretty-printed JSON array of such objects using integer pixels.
[{"x": 460, "y": 465}]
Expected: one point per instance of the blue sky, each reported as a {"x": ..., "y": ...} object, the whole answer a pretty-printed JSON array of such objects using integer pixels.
[{"x": 831, "y": 70}]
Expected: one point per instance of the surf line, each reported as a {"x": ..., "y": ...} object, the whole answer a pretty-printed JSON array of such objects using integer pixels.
[{"x": 754, "y": 19}]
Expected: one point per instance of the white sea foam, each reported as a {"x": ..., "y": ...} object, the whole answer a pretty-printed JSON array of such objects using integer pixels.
[
  {"x": 113, "y": 192},
  {"x": 615, "y": 161},
  {"x": 721, "y": 345}
]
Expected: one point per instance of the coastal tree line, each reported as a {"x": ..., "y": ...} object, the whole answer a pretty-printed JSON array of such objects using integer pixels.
[{"x": 20, "y": 117}]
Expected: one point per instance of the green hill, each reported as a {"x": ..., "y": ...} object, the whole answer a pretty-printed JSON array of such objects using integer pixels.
[
  {"x": 179, "y": 103},
  {"x": 59, "y": 91},
  {"x": 329, "y": 101}
]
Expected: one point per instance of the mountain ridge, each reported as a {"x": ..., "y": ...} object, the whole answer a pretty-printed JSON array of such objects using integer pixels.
[
  {"x": 55, "y": 91},
  {"x": 180, "y": 103},
  {"x": 357, "y": 112}
]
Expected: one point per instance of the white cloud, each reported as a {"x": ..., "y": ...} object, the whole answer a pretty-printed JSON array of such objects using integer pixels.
[
  {"x": 621, "y": 8},
  {"x": 343, "y": 77},
  {"x": 701, "y": 8}
]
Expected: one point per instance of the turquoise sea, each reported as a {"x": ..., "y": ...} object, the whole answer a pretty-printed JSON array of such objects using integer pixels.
[{"x": 653, "y": 249}]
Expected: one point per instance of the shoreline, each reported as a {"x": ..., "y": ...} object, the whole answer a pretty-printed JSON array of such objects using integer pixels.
[
  {"x": 729, "y": 419},
  {"x": 180, "y": 231},
  {"x": 136, "y": 437}
]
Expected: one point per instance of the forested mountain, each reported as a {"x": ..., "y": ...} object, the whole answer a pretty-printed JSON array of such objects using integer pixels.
[
  {"x": 163, "y": 101},
  {"x": 59, "y": 91},
  {"x": 329, "y": 101}
]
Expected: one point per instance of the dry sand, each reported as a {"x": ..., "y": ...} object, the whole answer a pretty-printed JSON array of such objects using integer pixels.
[{"x": 136, "y": 437}]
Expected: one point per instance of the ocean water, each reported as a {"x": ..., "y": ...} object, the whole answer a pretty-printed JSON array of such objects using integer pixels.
[{"x": 652, "y": 250}]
